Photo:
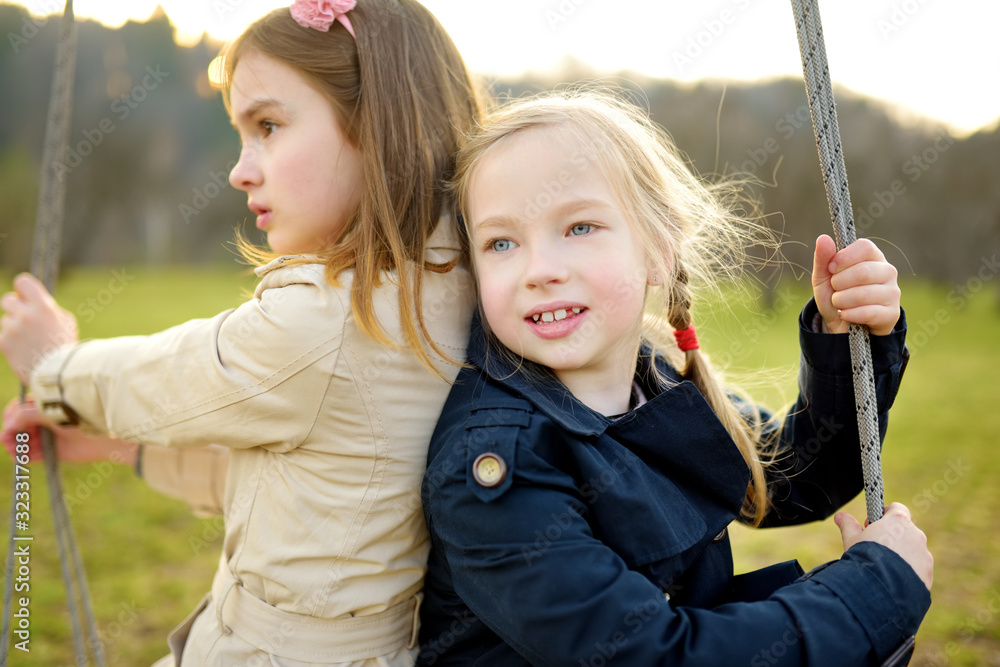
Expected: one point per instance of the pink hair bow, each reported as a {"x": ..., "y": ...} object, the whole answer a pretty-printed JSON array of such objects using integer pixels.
[{"x": 320, "y": 14}]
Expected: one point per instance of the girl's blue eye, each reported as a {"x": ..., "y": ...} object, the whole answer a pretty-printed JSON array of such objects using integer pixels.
[
  {"x": 501, "y": 245},
  {"x": 580, "y": 229}
]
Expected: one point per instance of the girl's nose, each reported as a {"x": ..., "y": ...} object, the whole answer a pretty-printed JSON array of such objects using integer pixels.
[
  {"x": 545, "y": 266},
  {"x": 245, "y": 174}
]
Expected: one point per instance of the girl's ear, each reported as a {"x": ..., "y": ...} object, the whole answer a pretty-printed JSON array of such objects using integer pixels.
[{"x": 657, "y": 272}]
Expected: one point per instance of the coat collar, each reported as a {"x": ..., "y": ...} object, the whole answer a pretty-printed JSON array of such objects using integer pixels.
[
  {"x": 551, "y": 396},
  {"x": 675, "y": 433}
]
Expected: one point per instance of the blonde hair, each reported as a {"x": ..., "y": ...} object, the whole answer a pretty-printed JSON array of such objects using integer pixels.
[
  {"x": 689, "y": 228},
  {"x": 405, "y": 98}
]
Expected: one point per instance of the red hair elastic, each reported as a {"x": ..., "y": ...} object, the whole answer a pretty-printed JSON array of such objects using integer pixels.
[{"x": 686, "y": 338}]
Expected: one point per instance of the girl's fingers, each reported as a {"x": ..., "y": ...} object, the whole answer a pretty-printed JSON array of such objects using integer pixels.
[
  {"x": 866, "y": 295},
  {"x": 856, "y": 285},
  {"x": 31, "y": 288},
  {"x": 850, "y": 529},
  {"x": 823, "y": 255},
  {"x": 822, "y": 291},
  {"x": 19, "y": 417},
  {"x": 880, "y": 320},
  {"x": 866, "y": 292},
  {"x": 898, "y": 508},
  {"x": 865, "y": 273},
  {"x": 861, "y": 250},
  {"x": 11, "y": 409},
  {"x": 10, "y": 303},
  {"x": 9, "y": 438}
]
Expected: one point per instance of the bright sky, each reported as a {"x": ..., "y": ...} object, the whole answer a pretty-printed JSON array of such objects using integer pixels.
[{"x": 933, "y": 57}]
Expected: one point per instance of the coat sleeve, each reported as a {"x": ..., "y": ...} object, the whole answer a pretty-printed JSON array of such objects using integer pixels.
[
  {"x": 820, "y": 466},
  {"x": 196, "y": 475},
  {"x": 528, "y": 565},
  {"x": 252, "y": 376}
]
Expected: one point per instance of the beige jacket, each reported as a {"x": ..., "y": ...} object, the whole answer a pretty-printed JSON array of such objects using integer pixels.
[
  {"x": 196, "y": 475},
  {"x": 328, "y": 430}
]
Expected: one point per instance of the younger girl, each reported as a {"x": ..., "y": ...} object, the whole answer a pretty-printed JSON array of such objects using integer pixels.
[
  {"x": 327, "y": 384},
  {"x": 582, "y": 476}
]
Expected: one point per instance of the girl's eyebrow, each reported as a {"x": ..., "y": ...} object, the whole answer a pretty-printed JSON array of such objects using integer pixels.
[
  {"x": 560, "y": 210},
  {"x": 576, "y": 205},
  {"x": 494, "y": 221},
  {"x": 255, "y": 107}
]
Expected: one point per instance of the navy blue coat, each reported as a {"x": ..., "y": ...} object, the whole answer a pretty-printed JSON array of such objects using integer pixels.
[{"x": 606, "y": 542}]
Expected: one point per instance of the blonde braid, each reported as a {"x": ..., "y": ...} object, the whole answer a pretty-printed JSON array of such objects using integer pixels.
[
  {"x": 679, "y": 303},
  {"x": 746, "y": 434}
]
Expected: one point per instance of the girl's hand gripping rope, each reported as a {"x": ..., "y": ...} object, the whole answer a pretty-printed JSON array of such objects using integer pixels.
[
  {"x": 856, "y": 285},
  {"x": 895, "y": 530},
  {"x": 33, "y": 325}
]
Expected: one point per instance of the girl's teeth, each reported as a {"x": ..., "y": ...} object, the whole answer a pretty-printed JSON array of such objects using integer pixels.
[{"x": 555, "y": 316}]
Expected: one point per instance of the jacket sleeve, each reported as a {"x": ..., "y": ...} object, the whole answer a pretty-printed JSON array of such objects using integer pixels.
[
  {"x": 820, "y": 465},
  {"x": 196, "y": 475},
  {"x": 252, "y": 376},
  {"x": 528, "y": 565}
]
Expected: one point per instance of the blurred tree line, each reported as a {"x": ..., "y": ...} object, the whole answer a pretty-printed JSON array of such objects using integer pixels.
[
  {"x": 151, "y": 148},
  {"x": 150, "y": 144}
]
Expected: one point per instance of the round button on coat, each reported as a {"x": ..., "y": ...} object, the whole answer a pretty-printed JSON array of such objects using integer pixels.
[{"x": 489, "y": 469}]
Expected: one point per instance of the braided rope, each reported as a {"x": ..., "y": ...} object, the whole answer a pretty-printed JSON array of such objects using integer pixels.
[
  {"x": 74, "y": 576},
  {"x": 45, "y": 265},
  {"x": 824, "y": 117}
]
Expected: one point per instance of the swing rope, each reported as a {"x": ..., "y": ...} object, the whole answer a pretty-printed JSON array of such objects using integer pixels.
[
  {"x": 824, "y": 118},
  {"x": 45, "y": 265}
]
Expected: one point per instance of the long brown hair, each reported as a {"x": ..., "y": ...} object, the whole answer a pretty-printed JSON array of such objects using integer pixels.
[
  {"x": 405, "y": 98},
  {"x": 690, "y": 229}
]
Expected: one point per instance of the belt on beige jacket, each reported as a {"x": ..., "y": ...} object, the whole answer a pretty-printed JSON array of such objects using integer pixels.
[{"x": 301, "y": 637}]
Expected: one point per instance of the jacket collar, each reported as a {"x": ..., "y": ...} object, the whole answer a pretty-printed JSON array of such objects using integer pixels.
[{"x": 551, "y": 396}]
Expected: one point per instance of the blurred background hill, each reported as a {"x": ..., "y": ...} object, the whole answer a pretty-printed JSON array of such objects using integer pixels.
[{"x": 151, "y": 148}]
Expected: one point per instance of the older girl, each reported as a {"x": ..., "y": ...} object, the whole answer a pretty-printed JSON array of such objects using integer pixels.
[{"x": 326, "y": 385}]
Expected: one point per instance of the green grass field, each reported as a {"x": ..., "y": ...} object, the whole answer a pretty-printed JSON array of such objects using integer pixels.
[{"x": 149, "y": 561}]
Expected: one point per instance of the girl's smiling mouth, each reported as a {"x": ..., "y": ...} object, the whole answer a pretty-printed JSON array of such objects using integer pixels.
[
  {"x": 556, "y": 315},
  {"x": 556, "y": 321}
]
